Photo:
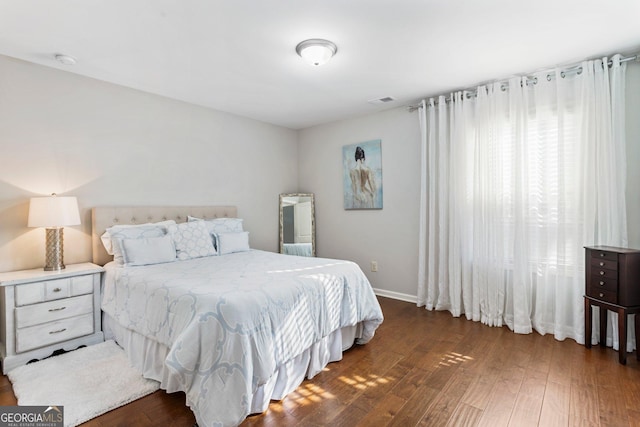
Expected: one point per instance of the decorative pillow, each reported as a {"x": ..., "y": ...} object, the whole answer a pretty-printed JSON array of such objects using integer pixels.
[
  {"x": 124, "y": 233},
  {"x": 220, "y": 225},
  {"x": 233, "y": 242},
  {"x": 192, "y": 240},
  {"x": 106, "y": 237},
  {"x": 148, "y": 250}
]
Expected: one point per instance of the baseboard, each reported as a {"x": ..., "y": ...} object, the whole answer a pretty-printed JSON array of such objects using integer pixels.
[{"x": 396, "y": 295}]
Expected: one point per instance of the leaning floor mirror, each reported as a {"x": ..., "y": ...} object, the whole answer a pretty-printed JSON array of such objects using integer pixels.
[{"x": 297, "y": 224}]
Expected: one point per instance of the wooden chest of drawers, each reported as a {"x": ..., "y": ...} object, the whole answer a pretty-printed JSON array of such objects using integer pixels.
[
  {"x": 613, "y": 274},
  {"x": 43, "y": 311},
  {"x": 612, "y": 283}
]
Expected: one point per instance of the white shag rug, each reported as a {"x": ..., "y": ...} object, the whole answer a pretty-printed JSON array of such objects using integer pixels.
[{"x": 88, "y": 382}]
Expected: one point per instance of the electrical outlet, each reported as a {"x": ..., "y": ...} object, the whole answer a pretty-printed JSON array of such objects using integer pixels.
[{"x": 374, "y": 266}]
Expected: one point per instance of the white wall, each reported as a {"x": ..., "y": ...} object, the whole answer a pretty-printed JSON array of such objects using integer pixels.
[
  {"x": 389, "y": 236},
  {"x": 109, "y": 145}
]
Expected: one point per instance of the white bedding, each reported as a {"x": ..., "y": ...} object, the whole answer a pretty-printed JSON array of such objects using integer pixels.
[{"x": 230, "y": 322}]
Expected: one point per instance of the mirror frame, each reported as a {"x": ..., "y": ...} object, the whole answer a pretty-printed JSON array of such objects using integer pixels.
[{"x": 313, "y": 220}]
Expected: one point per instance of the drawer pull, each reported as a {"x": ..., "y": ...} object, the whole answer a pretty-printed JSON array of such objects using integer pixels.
[
  {"x": 57, "y": 309},
  {"x": 601, "y": 294},
  {"x": 58, "y": 331},
  {"x": 601, "y": 254},
  {"x": 57, "y": 290},
  {"x": 601, "y": 264},
  {"x": 601, "y": 273},
  {"x": 601, "y": 283}
]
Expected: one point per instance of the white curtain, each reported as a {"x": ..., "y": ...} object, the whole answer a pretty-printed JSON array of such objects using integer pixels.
[{"x": 517, "y": 178}]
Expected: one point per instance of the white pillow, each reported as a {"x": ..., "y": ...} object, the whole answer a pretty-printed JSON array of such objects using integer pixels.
[
  {"x": 148, "y": 250},
  {"x": 233, "y": 242},
  {"x": 124, "y": 233},
  {"x": 221, "y": 225},
  {"x": 192, "y": 240},
  {"x": 106, "y": 237}
]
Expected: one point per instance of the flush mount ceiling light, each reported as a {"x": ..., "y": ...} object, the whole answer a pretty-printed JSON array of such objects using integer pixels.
[
  {"x": 316, "y": 51},
  {"x": 65, "y": 59}
]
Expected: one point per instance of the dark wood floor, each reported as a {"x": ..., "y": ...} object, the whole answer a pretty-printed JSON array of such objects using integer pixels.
[{"x": 430, "y": 369}]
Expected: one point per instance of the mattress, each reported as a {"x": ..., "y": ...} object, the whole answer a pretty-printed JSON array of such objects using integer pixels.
[{"x": 237, "y": 330}]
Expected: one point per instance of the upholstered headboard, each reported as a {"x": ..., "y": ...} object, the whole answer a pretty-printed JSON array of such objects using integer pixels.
[{"x": 105, "y": 217}]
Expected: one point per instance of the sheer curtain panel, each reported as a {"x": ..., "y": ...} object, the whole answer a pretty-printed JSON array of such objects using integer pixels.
[{"x": 517, "y": 177}]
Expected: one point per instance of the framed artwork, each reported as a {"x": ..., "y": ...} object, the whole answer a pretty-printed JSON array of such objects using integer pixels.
[{"x": 362, "y": 175}]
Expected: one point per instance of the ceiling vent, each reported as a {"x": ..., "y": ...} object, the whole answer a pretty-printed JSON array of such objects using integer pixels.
[
  {"x": 382, "y": 100},
  {"x": 65, "y": 59}
]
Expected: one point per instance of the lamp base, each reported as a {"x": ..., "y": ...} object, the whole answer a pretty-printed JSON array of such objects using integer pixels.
[{"x": 54, "y": 255}]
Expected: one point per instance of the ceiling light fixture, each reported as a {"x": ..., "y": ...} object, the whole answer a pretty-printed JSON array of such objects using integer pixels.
[
  {"x": 316, "y": 51},
  {"x": 65, "y": 59}
]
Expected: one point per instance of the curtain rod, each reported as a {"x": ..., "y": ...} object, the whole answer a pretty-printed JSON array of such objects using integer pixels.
[{"x": 530, "y": 80}]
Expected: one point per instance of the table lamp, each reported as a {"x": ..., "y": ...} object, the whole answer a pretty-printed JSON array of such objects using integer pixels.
[{"x": 54, "y": 213}]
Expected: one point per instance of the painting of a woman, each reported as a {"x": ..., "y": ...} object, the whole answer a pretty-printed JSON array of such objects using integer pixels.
[{"x": 362, "y": 175}]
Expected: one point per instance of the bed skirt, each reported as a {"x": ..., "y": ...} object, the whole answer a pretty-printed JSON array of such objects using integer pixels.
[{"x": 148, "y": 356}]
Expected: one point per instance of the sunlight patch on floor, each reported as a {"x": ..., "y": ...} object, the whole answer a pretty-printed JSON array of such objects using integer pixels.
[
  {"x": 307, "y": 394},
  {"x": 452, "y": 358},
  {"x": 362, "y": 383}
]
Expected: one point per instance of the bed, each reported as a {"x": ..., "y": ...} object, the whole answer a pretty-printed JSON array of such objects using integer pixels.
[{"x": 233, "y": 330}]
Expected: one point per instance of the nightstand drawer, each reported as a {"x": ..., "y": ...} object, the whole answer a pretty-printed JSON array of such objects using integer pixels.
[
  {"x": 53, "y": 332},
  {"x": 56, "y": 289},
  {"x": 48, "y": 290},
  {"x": 81, "y": 285},
  {"x": 54, "y": 310}
]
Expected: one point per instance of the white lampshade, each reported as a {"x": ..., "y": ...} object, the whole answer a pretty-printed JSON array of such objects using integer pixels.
[
  {"x": 53, "y": 211},
  {"x": 316, "y": 51}
]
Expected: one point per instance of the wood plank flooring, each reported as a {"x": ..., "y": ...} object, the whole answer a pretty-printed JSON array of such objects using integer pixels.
[{"x": 427, "y": 368}]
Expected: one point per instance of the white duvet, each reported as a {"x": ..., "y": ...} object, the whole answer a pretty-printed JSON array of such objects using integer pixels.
[{"x": 230, "y": 320}]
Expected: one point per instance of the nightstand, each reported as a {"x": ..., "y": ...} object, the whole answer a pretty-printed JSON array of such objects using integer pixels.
[
  {"x": 612, "y": 283},
  {"x": 44, "y": 311}
]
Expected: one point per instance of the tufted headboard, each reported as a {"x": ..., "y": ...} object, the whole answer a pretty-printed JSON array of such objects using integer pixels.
[{"x": 105, "y": 217}]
